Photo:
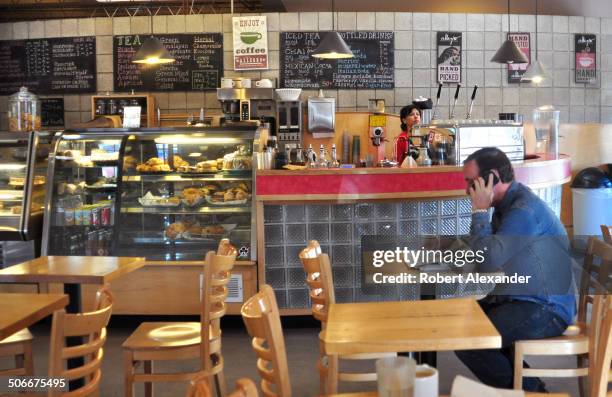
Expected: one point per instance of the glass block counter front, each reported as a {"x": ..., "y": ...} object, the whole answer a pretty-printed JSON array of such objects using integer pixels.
[{"x": 339, "y": 227}]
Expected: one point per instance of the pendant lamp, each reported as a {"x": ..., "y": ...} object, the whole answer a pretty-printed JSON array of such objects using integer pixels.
[
  {"x": 152, "y": 51},
  {"x": 509, "y": 51},
  {"x": 333, "y": 45},
  {"x": 536, "y": 72}
]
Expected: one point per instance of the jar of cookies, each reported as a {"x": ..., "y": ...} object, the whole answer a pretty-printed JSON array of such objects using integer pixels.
[{"x": 24, "y": 111}]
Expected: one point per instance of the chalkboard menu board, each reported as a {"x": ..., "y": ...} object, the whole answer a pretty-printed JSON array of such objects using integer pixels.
[
  {"x": 52, "y": 112},
  {"x": 372, "y": 66},
  {"x": 65, "y": 65},
  {"x": 198, "y": 65}
]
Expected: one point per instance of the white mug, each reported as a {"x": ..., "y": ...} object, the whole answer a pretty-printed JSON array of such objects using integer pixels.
[
  {"x": 226, "y": 82},
  {"x": 263, "y": 83},
  {"x": 426, "y": 381},
  {"x": 246, "y": 83}
]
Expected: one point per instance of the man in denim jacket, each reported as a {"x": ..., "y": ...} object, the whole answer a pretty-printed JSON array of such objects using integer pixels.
[{"x": 524, "y": 237}]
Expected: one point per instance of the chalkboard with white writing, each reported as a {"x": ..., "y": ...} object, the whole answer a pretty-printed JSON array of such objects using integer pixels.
[
  {"x": 371, "y": 67},
  {"x": 198, "y": 65},
  {"x": 65, "y": 65},
  {"x": 52, "y": 112}
]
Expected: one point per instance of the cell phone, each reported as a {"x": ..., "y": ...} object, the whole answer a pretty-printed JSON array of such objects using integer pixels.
[{"x": 485, "y": 175}]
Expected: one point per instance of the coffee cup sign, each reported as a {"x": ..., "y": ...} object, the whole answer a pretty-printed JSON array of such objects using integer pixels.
[{"x": 250, "y": 37}]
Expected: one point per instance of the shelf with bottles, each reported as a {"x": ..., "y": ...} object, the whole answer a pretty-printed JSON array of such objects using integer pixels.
[
  {"x": 112, "y": 105},
  {"x": 79, "y": 240}
]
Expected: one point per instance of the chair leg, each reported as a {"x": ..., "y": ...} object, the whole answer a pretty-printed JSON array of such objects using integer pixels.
[
  {"x": 332, "y": 374},
  {"x": 220, "y": 384},
  {"x": 28, "y": 358},
  {"x": 148, "y": 369},
  {"x": 128, "y": 373},
  {"x": 518, "y": 367},
  {"x": 323, "y": 370},
  {"x": 581, "y": 362}
]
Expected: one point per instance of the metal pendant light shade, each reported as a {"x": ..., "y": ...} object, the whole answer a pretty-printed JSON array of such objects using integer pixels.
[
  {"x": 152, "y": 52},
  {"x": 332, "y": 46},
  {"x": 535, "y": 73},
  {"x": 509, "y": 53}
]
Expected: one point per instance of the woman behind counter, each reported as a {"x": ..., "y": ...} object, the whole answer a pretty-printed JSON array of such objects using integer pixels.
[{"x": 410, "y": 116}]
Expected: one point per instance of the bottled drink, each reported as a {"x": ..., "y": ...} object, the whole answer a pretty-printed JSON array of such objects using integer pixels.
[
  {"x": 310, "y": 157},
  {"x": 334, "y": 163},
  {"x": 322, "y": 161}
]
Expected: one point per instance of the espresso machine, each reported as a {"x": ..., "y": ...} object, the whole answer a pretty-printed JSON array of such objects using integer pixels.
[
  {"x": 289, "y": 118},
  {"x": 247, "y": 104}
]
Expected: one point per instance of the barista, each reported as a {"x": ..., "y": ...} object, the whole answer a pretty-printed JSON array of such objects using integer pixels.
[{"x": 410, "y": 116}]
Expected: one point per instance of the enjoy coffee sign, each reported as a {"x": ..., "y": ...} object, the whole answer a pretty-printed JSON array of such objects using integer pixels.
[{"x": 250, "y": 43}]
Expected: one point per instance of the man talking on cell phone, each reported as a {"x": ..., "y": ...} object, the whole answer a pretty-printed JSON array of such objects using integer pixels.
[{"x": 522, "y": 237}]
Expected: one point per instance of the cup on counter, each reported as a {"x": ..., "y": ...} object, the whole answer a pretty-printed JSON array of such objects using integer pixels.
[
  {"x": 395, "y": 376},
  {"x": 226, "y": 82},
  {"x": 264, "y": 83},
  {"x": 426, "y": 381},
  {"x": 245, "y": 83}
]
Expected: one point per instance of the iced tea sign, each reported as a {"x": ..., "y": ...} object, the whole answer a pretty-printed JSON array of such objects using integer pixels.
[
  {"x": 250, "y": 43},
  {"x": 586, "y": 58},
  {"x": 449, "y": 57}
]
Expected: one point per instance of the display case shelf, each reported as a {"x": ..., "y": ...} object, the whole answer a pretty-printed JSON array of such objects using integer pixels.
[
  {"x": 187, "y": 211},
  {"x": 218, "y": 177}
]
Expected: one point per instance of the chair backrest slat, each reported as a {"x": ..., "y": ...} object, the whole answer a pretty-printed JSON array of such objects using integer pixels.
[
  {"x": 198, "y": 387},
  {"x": 262, "y": 319},
  {"x": 601, "y": 357},
  {"x": 595, "y": 276},
  {"x": 319, "y": 278}
]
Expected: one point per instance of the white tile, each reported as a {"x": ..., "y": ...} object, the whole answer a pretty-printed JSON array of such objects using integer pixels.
[
  {"x": 421, "y": 77},
  {"x": 6, "y": 33},
  {"x": 510, "y": 96},
  {"x": 142, "y": 25},
  {"x": 273, "y": 59},
  {"x": 458, "y": 22},
  {"x": 561, "y": 60},
  {"x": 325, "y": 21},
  {"x": 475, "y": 41},
  {"x": 492, "y": 40},
  {"x": 591, "y": 115},
  {"x": 20, "y": 30},
  {"x": 160, "y": 24},
  {"x": 177, "y": 100},
  {"x": 176, "y": 23},
  {"x": 492, "y": 22},
  {"x": 560, "y": 24},
  {"x": 421, "y": 21},
  {"x": 195, "y": 100},
  {"x": 309, "y": 21},
  {"x": 527, "y": 96},
  {"x": 545, "y": 23},
  {"x": 493, "y": 96},
  {"x": 545, "y": 42},
  {"x": 564, "y": 114},
  {"x": 36, "y": 29},
  {"x": 421, "y": 59},
  {"x": 475, "y": 59},
  {"x": 421, "y": 40},
  {"x": 104, "y": 63},
  {"x": 560, "y": 42},
  {"x": 70, "y": 27},
  {"x": 289, "y": 21},
  {"x": 403, "y": 78},
  {"x": 577, "y": 96},
  {"x": 273, "y": 42},
  {"x": 387, "y": 95},
  {"x": 561, "y": 96},
  {"x": 363, "y": 96},
  {"x": 475, "y": 76},
  {"x": 105, "y": 82},
  {"x": 346, "y": 21},
  {"x": 365, "y": 21},
  {"x": 121, "y": 25},
  {"x": 526, "y": 23},
  {"x": 513, "y": 23},
  {"x": 576, "y": 114},
  {"x": 475, "y": 22},
  {"x": 592, "y": 25},
  {"x": 439, "y": 22},
  {"x": 593, "y": 98},
  {"x": 403, "y": 21},
  {"x": 85, "y": 103},
  {"x": 403, "y": 59},
  {"x": 487, "y": 60},
  {"x": 193, "y": 23},
  {"x": 53, "y": 28},
  {"x": 104, "y": 45},
  {"x": 86, "y": 27},
  {"x": 576, "y": 24},
  {"x": 228, "y": 42},
  {"x": 403, "y": 96},
  {"x": 227, "y": 25},
  {"x": 384, "y": 21},
  {"x": 544, "y": 96},
  {"x": 493, "y": 77},
  {"x": 273, "y": 21},
  {"x": 403, "y": 40}
]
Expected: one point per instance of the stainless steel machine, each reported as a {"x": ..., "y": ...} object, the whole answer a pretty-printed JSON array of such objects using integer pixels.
[
  {"x": 241, "y": 104},
  {"x": 289, "y": 119}
]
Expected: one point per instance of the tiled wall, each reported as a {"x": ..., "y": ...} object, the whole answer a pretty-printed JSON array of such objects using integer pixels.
[{"x": 414, "y": 59}]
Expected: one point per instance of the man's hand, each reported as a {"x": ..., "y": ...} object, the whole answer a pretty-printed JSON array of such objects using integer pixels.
[{"x": 481, "y": 194}]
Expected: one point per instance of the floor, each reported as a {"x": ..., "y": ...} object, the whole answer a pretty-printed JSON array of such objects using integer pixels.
[{"x": 301, "y": 338}]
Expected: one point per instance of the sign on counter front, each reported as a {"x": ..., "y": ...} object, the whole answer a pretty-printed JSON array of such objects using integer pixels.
[
  {"x": 250, "y": 43},
  {"x": 585, "y": 58},
  {"x": 517, "y": 70},
  {"x": 449, "y": 57}
]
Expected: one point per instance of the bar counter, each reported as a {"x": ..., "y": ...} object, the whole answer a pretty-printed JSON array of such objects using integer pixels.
[{"x": 338, "y": 206}]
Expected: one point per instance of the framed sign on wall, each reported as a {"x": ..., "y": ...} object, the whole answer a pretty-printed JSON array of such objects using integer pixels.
[
  {"x": 585, "y": 58},
  {"x": 449, "y": 56}
]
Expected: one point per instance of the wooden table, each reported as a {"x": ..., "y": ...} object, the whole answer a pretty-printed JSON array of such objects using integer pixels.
[
  {"x": 73, "y": 271},
  {"x": 375, "y": 394},
  {"x": 434, "y": 325},
  {"x": 19, "y": 311}
]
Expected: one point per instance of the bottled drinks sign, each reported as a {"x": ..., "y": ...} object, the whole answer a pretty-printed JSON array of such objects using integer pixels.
[
  {"x": 585, "y": 58},
  {"x": 449, "y": 57},
  {"x": 250, "y": 43}
]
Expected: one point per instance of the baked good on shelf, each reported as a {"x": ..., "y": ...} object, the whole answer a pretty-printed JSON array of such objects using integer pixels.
[
  {"x": 174, "y": 230},
  {"x": 192, "y": 196},
  {"x": 213, "y": 229},
  {"x": 154, "y": 164},
  {"x": 179, "y": 162},
  {"x": 16, "y": 210},
  {"x": 241, "y": 195}
]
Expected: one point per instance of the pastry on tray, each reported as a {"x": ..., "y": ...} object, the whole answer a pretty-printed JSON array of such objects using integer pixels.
[
  {"x": 192, "y": 196},
  {"x": 176, "y": 230},
  {"x": 154, "y": 164}
]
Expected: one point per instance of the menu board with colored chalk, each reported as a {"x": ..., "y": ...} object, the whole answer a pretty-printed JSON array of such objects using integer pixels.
[
  {"x": 65, "y": 65},
  {"x": 371, "y": 67},
  {"x": 198, "y": 65},
  {"x": 52, "y": 112}
]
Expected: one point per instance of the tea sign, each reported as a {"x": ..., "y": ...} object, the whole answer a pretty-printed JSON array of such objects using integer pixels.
[{"x": 250, "y": 42}]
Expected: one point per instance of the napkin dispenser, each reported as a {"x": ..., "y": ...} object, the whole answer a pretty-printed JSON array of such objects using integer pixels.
[{"x": 321, "y": 117}]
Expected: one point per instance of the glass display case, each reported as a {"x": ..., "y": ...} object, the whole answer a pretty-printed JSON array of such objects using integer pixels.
[
  {"x": 168, "y": 194},
  {"x": 23, "y": 169}
]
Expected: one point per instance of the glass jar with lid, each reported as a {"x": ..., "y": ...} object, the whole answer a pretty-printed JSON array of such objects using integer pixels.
[{"x": 24, "y": 111}]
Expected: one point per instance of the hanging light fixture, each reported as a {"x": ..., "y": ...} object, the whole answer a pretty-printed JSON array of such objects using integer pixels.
[
  {"x": 333, "y": 45},
  {"x": 509, "y": 51},
  {"x": 536, "y": 72},
  {"x": 152, "y": 51}
]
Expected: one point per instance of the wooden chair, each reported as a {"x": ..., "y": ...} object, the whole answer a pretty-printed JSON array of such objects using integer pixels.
[
  {"x": 319, "y": 278},
  {"x": 18, "y": 346},
  {"x": 600, "y": 364},
  {"x": 579, "y": 339},
  {"x": 262, "y": 320},
  {"x": 90, "y": 325},
  {"x": 164, "y": 341},
  {"x": 198, "y": 387},
  {"x": 606, "y": 232}
]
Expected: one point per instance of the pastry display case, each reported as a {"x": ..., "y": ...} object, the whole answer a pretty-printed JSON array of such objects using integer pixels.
[{"x": 23, "y": 169}]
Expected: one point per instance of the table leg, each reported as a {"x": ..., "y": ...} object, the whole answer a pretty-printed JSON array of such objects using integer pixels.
[{"x": 74, "y": 306}]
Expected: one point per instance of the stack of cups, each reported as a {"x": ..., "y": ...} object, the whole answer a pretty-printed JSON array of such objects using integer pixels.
[{"x": 401, "y": 377}]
